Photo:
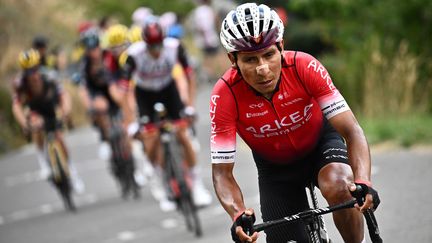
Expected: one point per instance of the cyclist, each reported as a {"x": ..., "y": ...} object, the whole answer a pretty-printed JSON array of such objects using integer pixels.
[
  {"x": 150, "y": 64},
  {"x": 48, "y": 61},
  {"x": 140, "y": 16},
  {"x": 40, "y": 43},
  {"x": 43, "y": 97},
  {"x": 134, "y": 34},
  {"x": 174, "y": 32},
  {"x": 96, "y": 89},
  {"x": 284, "y": 105},
  {"x": 117, "y": 42},
  {"x": 119, "y": 38}
]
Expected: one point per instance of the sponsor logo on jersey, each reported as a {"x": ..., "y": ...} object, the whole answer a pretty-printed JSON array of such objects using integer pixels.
[
  {"x": 213, "y": 107},
  {"x": 335, "y": 108},
  {"x": 285, "y": 104},
  {"x": 256, "y": 114},
  {"x": 284, "y": 125},
  {"x": 318, "y": 68},
  {"x": 259, "y": 105}
]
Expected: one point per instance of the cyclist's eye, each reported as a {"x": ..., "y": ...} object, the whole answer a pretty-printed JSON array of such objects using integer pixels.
[
  {"x": 269, "y": 54},
  {"x": 249, "y": 59}
]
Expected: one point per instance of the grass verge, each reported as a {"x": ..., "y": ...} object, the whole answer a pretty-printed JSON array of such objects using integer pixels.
[{"x": 404, "y": 131}]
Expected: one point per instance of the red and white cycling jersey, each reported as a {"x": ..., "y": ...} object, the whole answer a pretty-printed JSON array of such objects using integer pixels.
[{"x": 283, "y": 128}]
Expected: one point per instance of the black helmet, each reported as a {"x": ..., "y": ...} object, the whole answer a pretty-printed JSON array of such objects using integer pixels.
[
  {"x": 90, "y": 39},
  {"x": 40, "y": 41}
]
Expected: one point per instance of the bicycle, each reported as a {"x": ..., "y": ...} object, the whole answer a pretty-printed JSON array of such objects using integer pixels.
[
  {"x": 176, "y": 175},
  {"x": 314, "y": 223},
  {"x": 122, "y": 161},
  {"x": 57, "y": 158}
]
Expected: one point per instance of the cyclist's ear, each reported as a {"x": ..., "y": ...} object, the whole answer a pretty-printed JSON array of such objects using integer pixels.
[{"x": 233, "y": 59}]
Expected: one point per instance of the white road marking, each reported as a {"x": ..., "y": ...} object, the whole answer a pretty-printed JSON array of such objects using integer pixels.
[
  {"x": 20, "y": 215},
  {"x": 169, "y": 223},
  {"x": 29, "y": 177},
  {"x": 46, "y": 208},
  {"x": 126, "y": 236}
]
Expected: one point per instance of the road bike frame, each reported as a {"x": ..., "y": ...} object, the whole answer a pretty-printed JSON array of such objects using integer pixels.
[{"x": 57, "y": 159}]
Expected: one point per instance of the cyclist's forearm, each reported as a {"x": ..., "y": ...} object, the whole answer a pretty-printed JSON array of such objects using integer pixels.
[
  {"x": 192, "y": 86},
  {"x": 358, "y": 149},
  {"x": 19, "y": 115},
  {"x": 65, "y": 104},
  {"x": 359, "y": 155},
  {"x": 84, "y": 95},
  {"x": 228, "y": 192}
]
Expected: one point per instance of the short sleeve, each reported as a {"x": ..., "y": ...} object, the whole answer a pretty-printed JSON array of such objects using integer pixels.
[
  {"x": 319, "y": 85},
  {"x": 223, "y": 116}
]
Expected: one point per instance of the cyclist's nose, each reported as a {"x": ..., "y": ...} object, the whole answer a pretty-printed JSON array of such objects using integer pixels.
[{"x": 263, "y": 69}]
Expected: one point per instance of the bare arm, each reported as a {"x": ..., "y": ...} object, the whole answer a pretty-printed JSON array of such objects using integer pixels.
[
  {"x": 227, "y": 189},
  {"x": 182, "y": 84},
  {"x": 358, "y": 149},
  {"x": 192, "y": 86},
  {"x": 85, "y": 98},
  {"x": 65, "y": 103},
  {"x": 19, "y": 114}
]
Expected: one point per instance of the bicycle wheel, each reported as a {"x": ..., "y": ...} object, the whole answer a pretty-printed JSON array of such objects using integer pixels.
[
  {"x": 61, "y": 177},
  {"x": 190, "y": 213},
  {"x": 184, "y": 199},
  {"x": 123, "y": 163}
]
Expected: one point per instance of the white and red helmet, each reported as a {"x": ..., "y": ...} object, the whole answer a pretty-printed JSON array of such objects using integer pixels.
[{"x": 251, "y": 27}]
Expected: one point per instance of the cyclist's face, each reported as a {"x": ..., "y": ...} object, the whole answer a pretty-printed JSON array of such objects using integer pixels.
[
  {"x": 155, "y": 50},
  {"x": 94, "y": 53},
  {"x": 261, "y": 69},
  {"x": 34, "y": 81}
]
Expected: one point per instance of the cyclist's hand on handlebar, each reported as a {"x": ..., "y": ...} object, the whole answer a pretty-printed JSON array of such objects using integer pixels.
[
  {"x": 190, "y": 113},
  {"x": 34, "y": 123},
  {"x": 242, "y": 225},
  {"x": 367, "y": 197}
]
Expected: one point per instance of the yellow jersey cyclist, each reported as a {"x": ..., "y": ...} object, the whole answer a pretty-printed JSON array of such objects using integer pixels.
[
  {"x": 299, "y": 127},
  {"x": 117, "y": 42},
  {"x": 43, "y": 97}
]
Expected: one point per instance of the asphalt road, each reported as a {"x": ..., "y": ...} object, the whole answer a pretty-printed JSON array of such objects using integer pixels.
[{"x": 30, "y": 210}]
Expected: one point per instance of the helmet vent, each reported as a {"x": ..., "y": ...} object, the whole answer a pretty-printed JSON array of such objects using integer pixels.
[
  {"x": 270, "y": 24},
  {"x": 250, "y": 28},
  {"x": 261, "y": 26},
  {"x": 231, "y": 33},
  {"x": 240, "y": 30}
]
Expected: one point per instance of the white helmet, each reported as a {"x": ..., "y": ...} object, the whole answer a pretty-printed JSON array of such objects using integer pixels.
[
  {"x": 250, "y": 28},
  {"x": 140, "y": 15},
  {"x": 167, "y": 19}
]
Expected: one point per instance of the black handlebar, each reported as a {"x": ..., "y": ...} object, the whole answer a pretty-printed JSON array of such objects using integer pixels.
[
  {"x": 359, "y": 196},
  {"x": 369, "y": 215}
]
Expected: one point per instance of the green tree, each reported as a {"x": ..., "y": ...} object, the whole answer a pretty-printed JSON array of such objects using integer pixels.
[
  {"x": 123, "y": 9},
  {"x": 372, "y": 41}
]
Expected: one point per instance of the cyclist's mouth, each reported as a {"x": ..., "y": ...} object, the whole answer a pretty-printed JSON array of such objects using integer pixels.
[{"x": 265, "y": 83}]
